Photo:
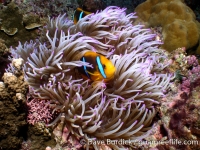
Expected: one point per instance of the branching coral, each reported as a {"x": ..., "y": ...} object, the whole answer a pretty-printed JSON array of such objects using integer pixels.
[
  {"x": 39, "y": 111},
  {"x": 121, "y": 109}
]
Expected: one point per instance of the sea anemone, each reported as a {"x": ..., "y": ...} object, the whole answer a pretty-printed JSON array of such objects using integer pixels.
[{"x": 120, "y": 109}]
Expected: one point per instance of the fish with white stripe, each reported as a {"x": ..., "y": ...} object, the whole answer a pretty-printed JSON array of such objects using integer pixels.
[{"x": 103, "y": 69}]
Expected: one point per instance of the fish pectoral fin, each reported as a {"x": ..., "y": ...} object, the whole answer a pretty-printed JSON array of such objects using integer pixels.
[{"x": 94, "y": 74}]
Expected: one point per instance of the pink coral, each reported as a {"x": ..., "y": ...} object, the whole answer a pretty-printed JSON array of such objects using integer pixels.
[
  {"x": 192, "y": 60},
  {"x": 185, "y": 86},
  {"x": 66, "y": 140},
  {"x": 196, "y": 70},
  {"x": 39, "y": 111},
  {"x": 191, "y": 79}
]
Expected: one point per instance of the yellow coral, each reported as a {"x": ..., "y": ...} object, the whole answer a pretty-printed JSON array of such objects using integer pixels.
[{"x": 177, "y": 20}]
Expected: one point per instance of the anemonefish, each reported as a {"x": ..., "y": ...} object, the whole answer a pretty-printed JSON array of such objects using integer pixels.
[
  {"x": 103, "y": 69},
  {"x": 79, "y": 14}
]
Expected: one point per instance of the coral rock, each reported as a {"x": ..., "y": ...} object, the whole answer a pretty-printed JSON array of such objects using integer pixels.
[
  {"x": 9, "y": 78},
  {"x": 31, "y": 21},
  {"x": 12, "y": 23},
  {"x": 9, "y": 31},
  {"x": 17, "y": 63}
]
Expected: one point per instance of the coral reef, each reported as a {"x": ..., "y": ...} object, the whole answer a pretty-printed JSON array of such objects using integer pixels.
[
  {"x": 15, "y": 27},
  {"x": 38, "y": 137},
  {"x": 178, "y": 113},
  {"x": 31, "y": 21},
  {"x": 129, "y": 4},
  {"x": 48, "y": 8},
  {"x": 64, "y": 139},
  {"x": 178, "y": 22},
  {"x": 91, "y": 5},
  {"x": 78, "y": 111},
  {"x": 13, "y": 117},
  {"x": 94, "y": 5},
  {"x": 15, "y": 132},
  {"x": 123, "y": 108},
  {"x": 12, "y": 27},
  {"x": 4, "y": 52}
]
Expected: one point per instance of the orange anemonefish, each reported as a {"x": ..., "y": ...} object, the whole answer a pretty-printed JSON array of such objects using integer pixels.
[
  {"x": 79, "y": 14},
  {"x": 103, "y": 69}
]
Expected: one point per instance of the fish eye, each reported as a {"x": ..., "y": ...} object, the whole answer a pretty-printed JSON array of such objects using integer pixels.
[{"x": 104, "y": 66}]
